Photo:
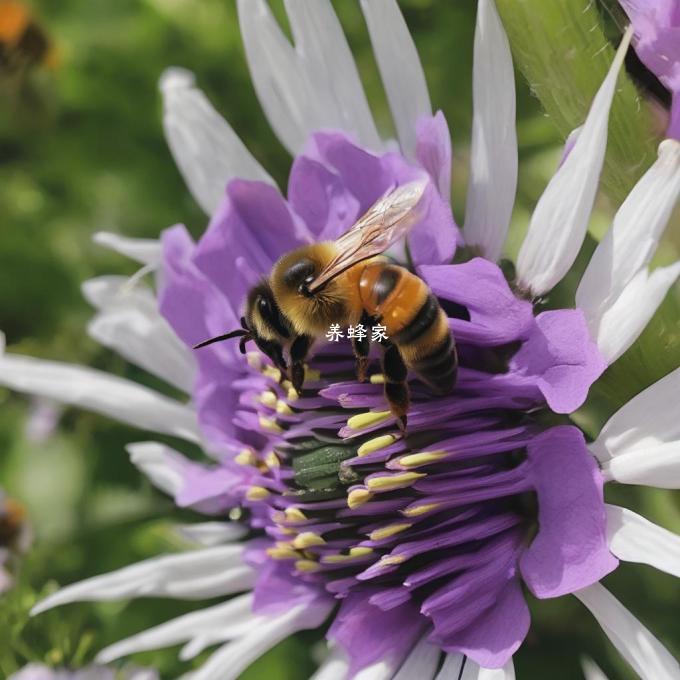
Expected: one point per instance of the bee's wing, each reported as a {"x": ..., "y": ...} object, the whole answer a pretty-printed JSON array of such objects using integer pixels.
[{"x": 386, "y": 221}]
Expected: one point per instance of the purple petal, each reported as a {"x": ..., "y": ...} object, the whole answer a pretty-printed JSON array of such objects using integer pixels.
[
  {"x": 561, "y": 357},
  {"x": 321, "y": 199},
  {"x": 277, "y": 590},
  {"x": 367, "y": 177},
  {"x": 497, "y": 316},
  {"x": 190, "y": 303},
  {"x": 254, "y": 224},
  {"x": 497, "y": 634},
  {"x": 570, "y": 550},
  {"x": 369, "y": 634}
]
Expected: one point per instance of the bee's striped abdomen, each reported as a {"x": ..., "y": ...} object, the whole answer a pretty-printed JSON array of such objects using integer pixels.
[{"x": 414, "y": 322}]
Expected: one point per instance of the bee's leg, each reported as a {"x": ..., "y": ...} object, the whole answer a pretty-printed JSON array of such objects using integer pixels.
[
  {"x": 396, "y": 387},
  {"x": 298, "y": 352},
  {"x": 361, "y": 348},
  {"x": 275, "y": 352}
]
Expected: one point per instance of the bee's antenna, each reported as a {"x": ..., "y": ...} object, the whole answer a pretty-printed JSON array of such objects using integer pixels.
[{"x": 240, "y": 332}]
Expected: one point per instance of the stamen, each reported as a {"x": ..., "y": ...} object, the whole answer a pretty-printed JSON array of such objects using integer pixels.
[
  {"x": 307, "y": 539},
  {"x": 307, "y": 565},
  {"x": 424, "y": 458},
  {"x": 364, "y": 420},
  {"x": 392, "y": 482},
  {"x": 271, "y": 372},
  {"x": 377, "y": 379},
  {"x": 376, "y": 444},
  {"x": 357, "y": 497},
  {"x": 295, "y": 515},
  {"x": 355, "y": 553},
  {"x": 269, "y": 425},
  {"x": 257, "y": 493},
  {"x": 246, "y": 457},
  {"x": 391, "y": 530},
  {"x": 312, "y": 374},
  {"x": 283, "y": 408},
  {"x": 268, "y": 398},
  {"x": 283, "y": 553},
  {"x": 292, "y": 392},
  {"x": 418, "y": 510},
  {"x": 272, "y": 460}
]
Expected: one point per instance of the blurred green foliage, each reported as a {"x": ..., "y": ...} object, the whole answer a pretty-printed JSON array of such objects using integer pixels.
[{"x": 81, "y": 149}]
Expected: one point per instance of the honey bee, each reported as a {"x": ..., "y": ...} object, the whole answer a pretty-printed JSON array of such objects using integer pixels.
[
  {"x": 347, "y": 282},
  {"x": 23, "y": 42}
]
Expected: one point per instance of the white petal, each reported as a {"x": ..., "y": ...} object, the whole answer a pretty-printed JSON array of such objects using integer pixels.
[
  {"x": 207, "y": 151},
  {"x": 635, "y": 539},
  {"x": 146, "y": 251},
  {"x": 452, "y": 666},
  {"x": 161, "y": 464},
  {"x": 623, "y": 319},
  {"x": 131, "y": 672},
  {"x": 559, "y": 222},
  {"x": 591, "y": 671},
  {"x": 634, "y": 236},
  {"x": 190, "y": 576},
  {"x": 228, "y": 662},
  {"x": 225, "y": 621},
  {"x": 380, "y": 670},
  {"x": 648, "y": 657},
  {"x": 311, "y": 86},
  {"x": 474, "y": 672},
  {"x": 647, "y": 420},
  {"x": 493, "y": 155},
  {"x": 334, "y": 667},
  {"x": 421, "y": 663},
  {"x": 400, "y": 69},
  {"x": 212, "y": 533},
  {"x": 130, "y": 323},
  {"x": 657, "y": 466},
  {"x": 100, "y": 392}
]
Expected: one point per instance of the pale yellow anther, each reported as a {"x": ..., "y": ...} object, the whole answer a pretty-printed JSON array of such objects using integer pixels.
[
  {"x": 358, "y": 497},
  {"x": 283, "y": 553},
  {"x": 254, "y": 360},
  {"x": 287, "y": 531},
  {"x": 271, "y": 372},
  {"x": 272, "y": 460},
  {"x": 418, "y": 510},
  {"x": 246, "y": 457},
  {"x": 257, "y": 493},
  {"x": 268, "y": 398},
  {"x": 391, "y": 530},
  {"x": 307, "y": 565},
  {"x": 283, "y": 408},
  {"x": 390, "y": 560},
  {"x": 363, "y": 420},
  {"x": 312, "y": 374},
  {"x": 424, "y": 458},
  {"x": 292, "y": 392},
  {"x": 391, "y": 482},
  {"x": 376, "y": 444},
  {"x": 286, "y": 384},
  {"x": 269, "y": 425},
  {"x": 307, "y": 539},
  {"x": 377, "y": 379},
  {"x": 295, "y": 515},
  {"x": 354, "y": 554}
]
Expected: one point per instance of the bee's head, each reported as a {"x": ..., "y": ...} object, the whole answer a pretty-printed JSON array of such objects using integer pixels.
[{"x": 263, "y": 323}]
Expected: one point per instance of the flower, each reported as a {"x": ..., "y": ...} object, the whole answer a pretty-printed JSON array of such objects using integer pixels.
[
  {"x": 15, "y": 537},
  {"x": 35, "y": 671},
  {"x": 657, "y": 43},
  {"x": 411, "y": 547}
]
